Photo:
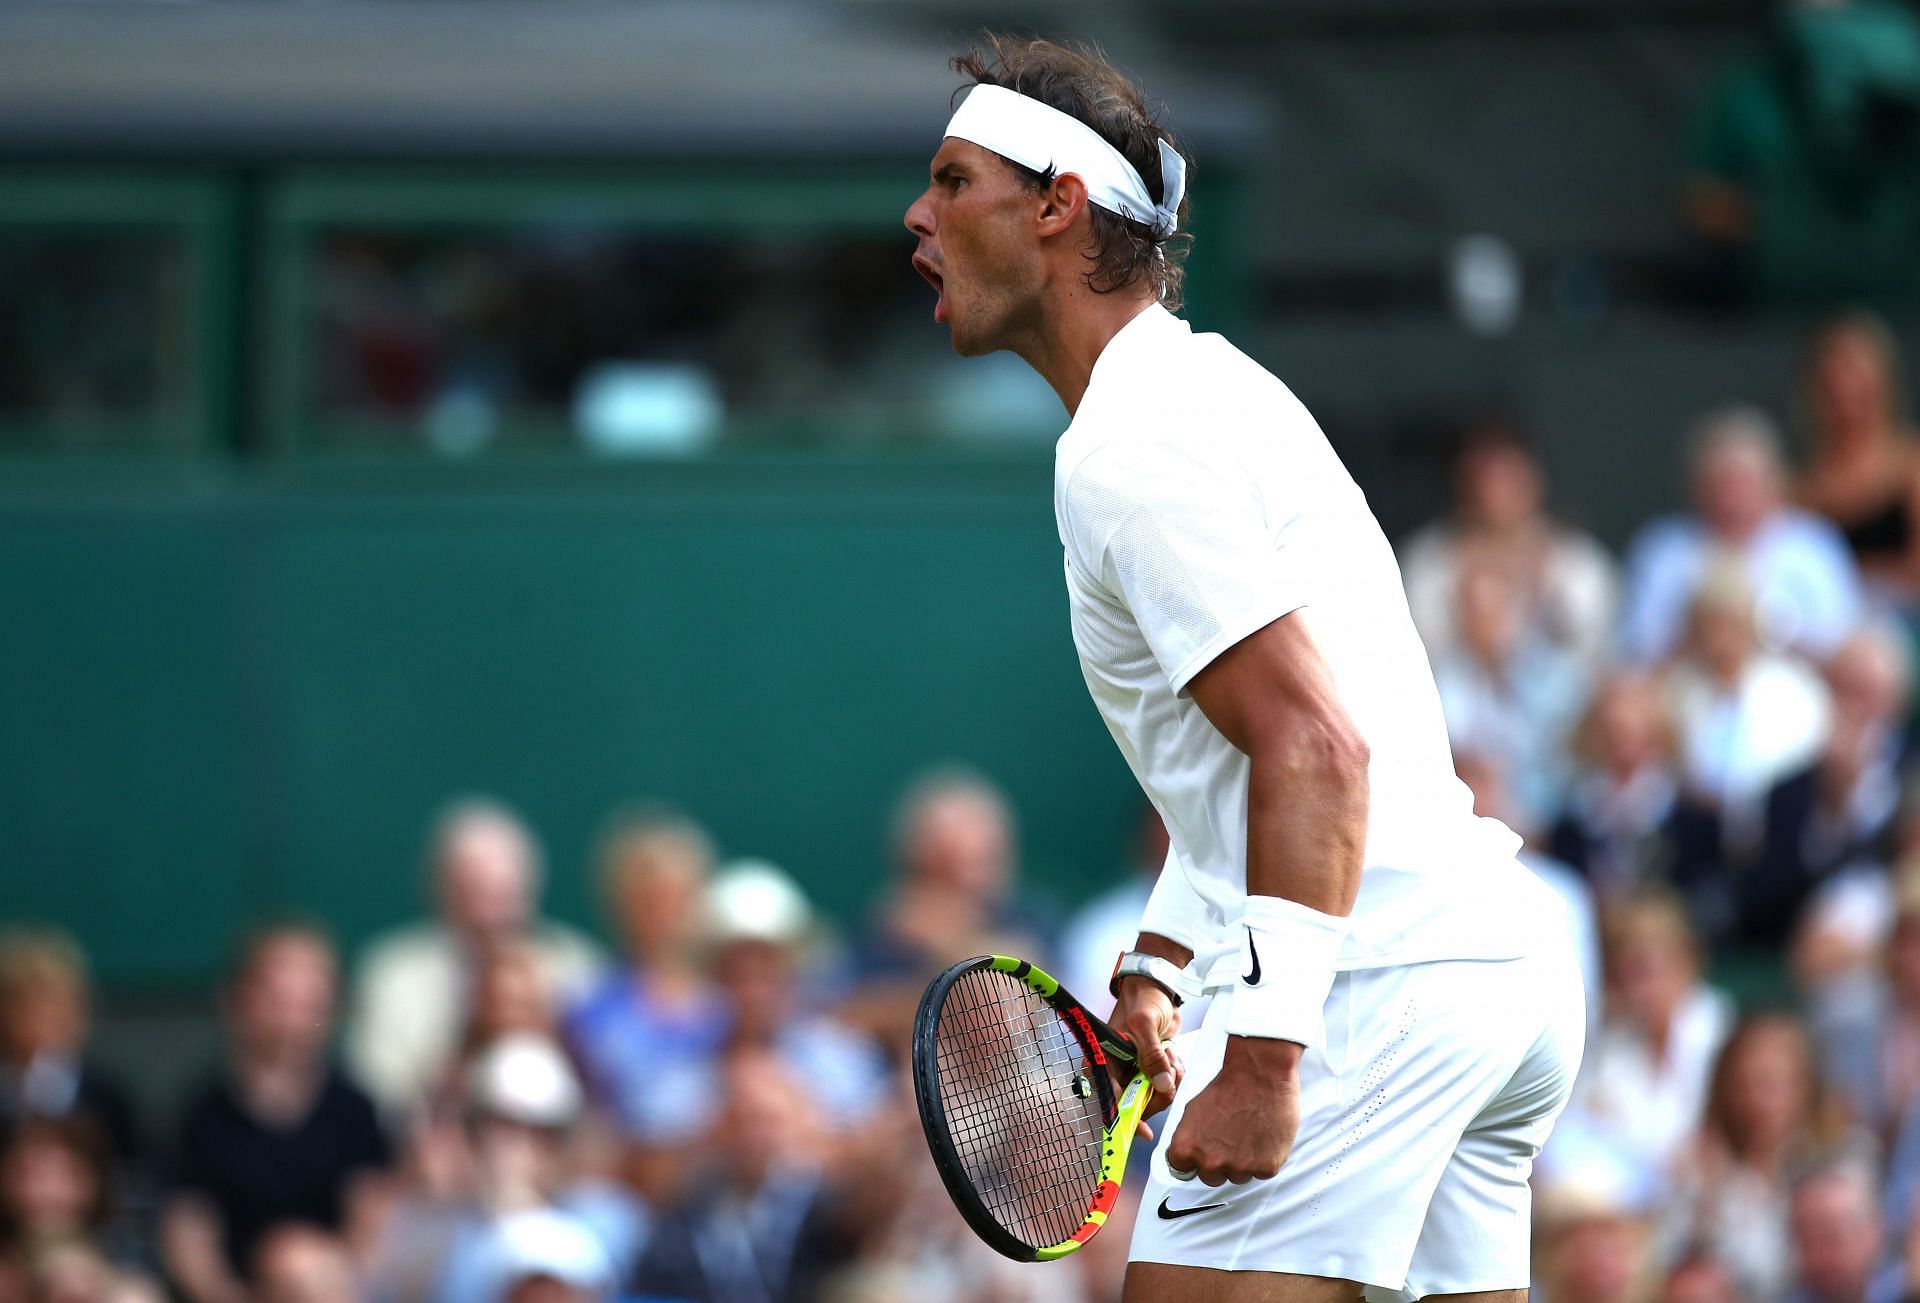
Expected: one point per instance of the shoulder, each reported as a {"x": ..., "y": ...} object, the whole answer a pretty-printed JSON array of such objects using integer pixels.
[
  {"x": 1807, "y": 533},
  {"x": 408, "y": 947}
]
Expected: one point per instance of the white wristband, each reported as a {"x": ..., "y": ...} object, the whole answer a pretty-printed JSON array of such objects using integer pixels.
[{"x": 1291, "y": 952}]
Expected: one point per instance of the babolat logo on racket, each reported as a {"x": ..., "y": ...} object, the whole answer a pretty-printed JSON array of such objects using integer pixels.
[{"x": 1087, "y": 1037}]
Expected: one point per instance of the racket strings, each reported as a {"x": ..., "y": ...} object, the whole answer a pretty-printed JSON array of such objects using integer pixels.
[{"x": 1023, "y": 1110}]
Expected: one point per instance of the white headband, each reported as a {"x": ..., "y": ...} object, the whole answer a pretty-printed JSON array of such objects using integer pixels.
[{"x": 1042, "y": 138}]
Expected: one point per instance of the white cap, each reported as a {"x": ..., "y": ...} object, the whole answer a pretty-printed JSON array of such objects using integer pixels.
[
  {"x": 544, "y": 1243},
  {"x": 753, "y": 900},
  {"x": 525, "y": 1078}
]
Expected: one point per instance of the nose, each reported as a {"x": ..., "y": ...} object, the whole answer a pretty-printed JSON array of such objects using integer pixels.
[{"x": 920, "y": 217}]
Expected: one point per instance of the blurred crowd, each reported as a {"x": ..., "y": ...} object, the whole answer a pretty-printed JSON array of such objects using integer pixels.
[{"x": 1705, "y": 743}]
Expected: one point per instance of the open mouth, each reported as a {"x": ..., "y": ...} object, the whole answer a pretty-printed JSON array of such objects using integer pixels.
[{"x": 924, "y": 266}]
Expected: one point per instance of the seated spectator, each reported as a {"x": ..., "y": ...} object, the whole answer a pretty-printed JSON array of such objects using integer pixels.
[
  {"x": 1768, "y": 1115},
  {"x": 1864, "y": 474},
  {"x": 279, "y": 1134},
  {"x": 1564, "y": 581},
  {"x": 1643, "y": 1085},
  {"x": 544, "y": 1257},
  {"x": 523, "y": 1116},
  {"x": 510, "y": 997},
  {"x": 301, "y": 1264},
  {"x": 1507, "y": 694},
  {"x": 55, "y": 1202},
  {"x": 1799, "y": 565},
  {"x": 1626, "y": 824},
  {"x": 757, "y": 1224},
  {"x": 1839, "y": 1247},
  {"x": 1699, "y": 1278},
  {"x": 761, "y": 927},
  {"x": 648, "y": 1035},
  {"x": 1594, "y": 1240},
  {"x": 954, "y": 895},
  {"x": 410, "y": 994},
  {"x": 44, "y": 1016},
  {"x": 1869, "y": 1036},
  {"x": 1745, "y": 717},
  {"x": 1837, "y": 814}
]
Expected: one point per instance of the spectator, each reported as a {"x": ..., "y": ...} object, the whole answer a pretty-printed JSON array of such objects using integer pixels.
[
  {"x": 1699, "y": 1278},
  {"x": 1864, "y": 474},
  {"x": 1626, "y": 824},
  {"x": 44, "y": 1017},
  {"x": 1807, "y": 586},
  {"x": 1837, "y": 814},
  {"x": 1745, "y": 717},
  {"x": 410, "y": 998},
  {"x": 1565, "y": 583},
  {"x": 1805, "y": 168},
  {"x": 301, "y": 1264},
  {"x": 55, "y": 1201},
  {"x": 1594, "y": 1241},
  {"x": 955, "y": 847},
  {"x": 758, "y": 1224},
  {"x": 761, "y": 926},
  {"x": 510, "y": 997},
  {"x": 1838, "y": 1244},
  {"x": 524, "y": 1117},
  {"x": 1644, "y": 1083},
  {"x": 1767, "y": 1114},
  {"x": 279, "y": 1135},
  {"x": 647, "y": 1037},
  {"x": 1507, "y": 694},
  {"x": 542, "y": 1257}
]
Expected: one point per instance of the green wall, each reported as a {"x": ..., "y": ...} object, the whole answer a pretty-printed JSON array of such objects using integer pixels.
[{"x": 248, "y": 697}]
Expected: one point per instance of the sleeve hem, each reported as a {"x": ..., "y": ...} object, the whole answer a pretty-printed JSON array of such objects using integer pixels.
[{"x": 1239, "y": 630}]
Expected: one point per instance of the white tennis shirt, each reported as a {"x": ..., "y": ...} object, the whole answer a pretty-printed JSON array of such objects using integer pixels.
[{"x": 1198, "y": 501}]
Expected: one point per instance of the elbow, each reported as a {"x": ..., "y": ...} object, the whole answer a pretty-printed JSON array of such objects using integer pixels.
[{"x": 1324, "y": 750}]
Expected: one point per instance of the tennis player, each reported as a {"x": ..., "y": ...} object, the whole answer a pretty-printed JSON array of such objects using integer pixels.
[{"x": 1397, "y": 1015}]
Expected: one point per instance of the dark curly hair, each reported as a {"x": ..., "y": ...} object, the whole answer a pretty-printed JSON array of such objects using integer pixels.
[{"x": 1078, "y": 81}]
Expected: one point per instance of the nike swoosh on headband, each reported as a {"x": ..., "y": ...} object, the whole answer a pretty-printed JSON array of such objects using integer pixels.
[
  {"x": 1253, "y": 977},
  {"x": 1172, "y": 1214}
]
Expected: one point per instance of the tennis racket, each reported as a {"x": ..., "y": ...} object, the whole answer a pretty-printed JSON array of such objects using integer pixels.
[{"x": 1010, "y": 1073}]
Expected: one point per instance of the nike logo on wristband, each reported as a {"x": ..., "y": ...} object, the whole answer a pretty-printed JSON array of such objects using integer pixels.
[
  {"x": 1253, "y": 977},
  {"x": 1172, "y": 1214}
]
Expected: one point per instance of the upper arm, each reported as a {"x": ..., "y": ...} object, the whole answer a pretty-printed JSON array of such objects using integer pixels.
[
  {"x": 1191, "y": 543},
  {"x": 1273, "y": 690}
]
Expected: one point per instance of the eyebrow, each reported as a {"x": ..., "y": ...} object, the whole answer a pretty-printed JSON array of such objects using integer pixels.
[{"x": 946, "y": 171}]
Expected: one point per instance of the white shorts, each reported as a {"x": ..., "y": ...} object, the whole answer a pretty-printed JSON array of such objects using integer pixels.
[{"x": 1420, "y": 1120}]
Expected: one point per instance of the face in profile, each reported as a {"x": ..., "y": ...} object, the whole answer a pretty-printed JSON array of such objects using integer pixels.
[{"x": 977, "y": 247}]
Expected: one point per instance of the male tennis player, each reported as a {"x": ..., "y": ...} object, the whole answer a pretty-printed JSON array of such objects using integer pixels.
[{"x": 1397, "y": 1015}]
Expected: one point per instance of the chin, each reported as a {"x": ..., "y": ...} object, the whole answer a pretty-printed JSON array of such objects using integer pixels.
[{"x": 971, "y": 342}]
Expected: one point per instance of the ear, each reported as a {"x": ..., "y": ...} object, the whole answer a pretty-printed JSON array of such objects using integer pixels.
[{"x": 1061, "y": 205}]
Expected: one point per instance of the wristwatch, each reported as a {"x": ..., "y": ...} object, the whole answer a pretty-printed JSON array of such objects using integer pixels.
[{"x": 1163, "y": 973}]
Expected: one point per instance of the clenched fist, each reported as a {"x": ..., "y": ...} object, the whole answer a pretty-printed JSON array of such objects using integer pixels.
[{"x": 1241, "y": 1127}]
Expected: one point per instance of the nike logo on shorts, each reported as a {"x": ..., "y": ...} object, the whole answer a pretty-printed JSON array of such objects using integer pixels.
[
  {"x": 1253, "y": 977},
  {"x": 1169, "y": 1214}
]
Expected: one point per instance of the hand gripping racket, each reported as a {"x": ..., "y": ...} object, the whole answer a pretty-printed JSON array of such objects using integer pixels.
[{"x": 1010, "y": 1073}]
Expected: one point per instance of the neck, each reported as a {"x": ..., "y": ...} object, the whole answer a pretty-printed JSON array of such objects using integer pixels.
[{"x": 1072, "y": 332}]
